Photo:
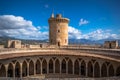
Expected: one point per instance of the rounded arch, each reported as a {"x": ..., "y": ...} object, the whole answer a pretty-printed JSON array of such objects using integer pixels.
[
  {"x": 104, "y": 70},
  {"x": 111, "y": 71},
  {"x": 31, "y": 68},
  {"x": 90, "y": 69},
  {"x": 2, "y": 71},
  {"x": 51, "y": 66},
  {"x": 76, "y": 67},
  {"x": 118, "y": 71},
  {"x": 83, "y": 68},
  {"x": 63, "y": 66},
  {"x": 10, "y": 70},
  {"x": 38, "y": 67},
  {"x": 57, "y": 66},
  {"x": 70, "y": 67},
  {"x": 24, "y": 69},
  {"x": 17, "y": 69},
  {"x": 44, "y": 67},
  {"x": 96, "y": 70}
]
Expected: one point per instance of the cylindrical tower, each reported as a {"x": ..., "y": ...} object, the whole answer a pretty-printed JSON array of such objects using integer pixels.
[{"x": 58, "y": 30}]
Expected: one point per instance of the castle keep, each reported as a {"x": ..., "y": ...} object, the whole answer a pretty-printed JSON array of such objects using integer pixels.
[{"x": 58, "y": 30}]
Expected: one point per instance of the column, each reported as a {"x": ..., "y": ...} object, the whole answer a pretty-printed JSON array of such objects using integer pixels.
[
  {"x": 86, "y": 69},
  {"x": 27, "y": 69},
  {"x": 6, "y": 68},
  {"x": 47, "y": 67},
  {"x": 66, "y": 67},
  {"x": 93, "y": 71},
  {"x": 60, "y": 67},
  {"x": 54, "y": 67},
  {"x": 73, "y": 67},
  {"x": 34, "y": 68},
  {"x": 100, "y": 71},
  {"x": 80, "y": 68},
  {"x": 41, "y": 66},
  {"x": 20, "y": 70},
  {"x": 13, "y": 70}
]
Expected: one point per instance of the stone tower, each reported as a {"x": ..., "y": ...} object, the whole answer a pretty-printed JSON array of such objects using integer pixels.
[{"x": 58, "y": 30}]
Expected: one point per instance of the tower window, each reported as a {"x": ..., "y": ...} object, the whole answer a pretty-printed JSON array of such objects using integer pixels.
[
  {"x": 58, "y": 31},
  {"x": 65, "y": 40}
]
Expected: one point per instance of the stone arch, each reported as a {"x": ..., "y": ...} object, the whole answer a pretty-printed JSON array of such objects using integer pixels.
[
  {"x": 70, "y": 67},
  {"x": 38, "y": 67},
  {"x": 96, "y": 70},
  {"x": 24, "y": 69},
  {"x": 83, "y": 68},
  {"x": 90, "y": 69},
  {"x": 10, "y": 70},
  {"x": 57, "y": 66},
  {"x": 76, "y": 67},
  {"x": 111, "y": 71},
  {"x": 118, "y": 71},
  {"x": 104, "y": 70},
  {"x": 63, "y": 66},
  {"x": 51, "y": 66},
  {"x": 2, "y": 71},
  {"x": 44, "y": 67},
  {"x": 17, "y": 69},
  {"x": 31, "y": 68}
]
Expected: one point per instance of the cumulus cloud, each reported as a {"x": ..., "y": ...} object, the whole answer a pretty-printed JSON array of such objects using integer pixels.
[
  {"x": 83, "y": 22},
  {"x": 98, "y": 34},
  {"x": 74, "y": 33},
  {"x": 17, "y": 26}
]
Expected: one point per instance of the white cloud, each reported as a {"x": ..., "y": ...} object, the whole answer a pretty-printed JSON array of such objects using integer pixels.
[
  {"x": 17, "y": 26},
  {"x": 95, "y": 35},
  {"x": 83, "y": 22},
  {"x": 74, "y": 33}
]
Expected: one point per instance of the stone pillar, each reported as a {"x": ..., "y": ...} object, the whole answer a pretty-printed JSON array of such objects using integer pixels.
[
  {"x": 86, "y": 69},
  {"x": 107, "y": 71},
  {"x": 13, "y": 70},
  {"x": 6, "y": 68},
  {"x": 47, "y": 67},
  {"x": 27, "y": 69},
  {"x": 73, "y": 67},
  {"x": 60, "y": 67},
  {"x": 79, "y": 68},
  {"x": 66, "y": 67},
  {"x": 20, "y": 70},
  {"x": 54, "y": 67},
  {"x": 34, "y": 68},
  {"x": 93, "y": 71},
  {"x": 41, "y": 66},
  {"x": 100, "y": 68}
]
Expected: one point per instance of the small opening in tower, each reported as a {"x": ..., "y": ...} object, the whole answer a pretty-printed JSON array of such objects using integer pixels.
[{"x": 58, "y": 31}]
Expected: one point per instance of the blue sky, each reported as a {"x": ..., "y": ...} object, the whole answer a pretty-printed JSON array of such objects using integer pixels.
[{"x": 89, "y": 19}]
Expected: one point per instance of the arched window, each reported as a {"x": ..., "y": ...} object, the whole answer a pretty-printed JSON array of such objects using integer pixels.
[
  {"x": 24, "y": 69},
  {"x": 63, "y": 66},
  {"x": 44, "y": 67},
  {"x": 38, "y": 65},
  {"x": 31, "y": 68},
  {"x": 70, "y": 67},
  {"x": 96, "y": 70},
  {"x": 104, "y": 70},
  {"x": 57, "y": 66},
  {"x": 111, "y": 71},
  {"x": 118, "y": 71},
  {"x": 83, "y": 68},
  {"x": 2, "y": 71},
  {"x": 90, "y": 69},
  {"x": 76, "y": 67},
  {"x": 17, "y": 70},
  {"x": 10, "y": 70},
  {"x": 50, "y": 66}
]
